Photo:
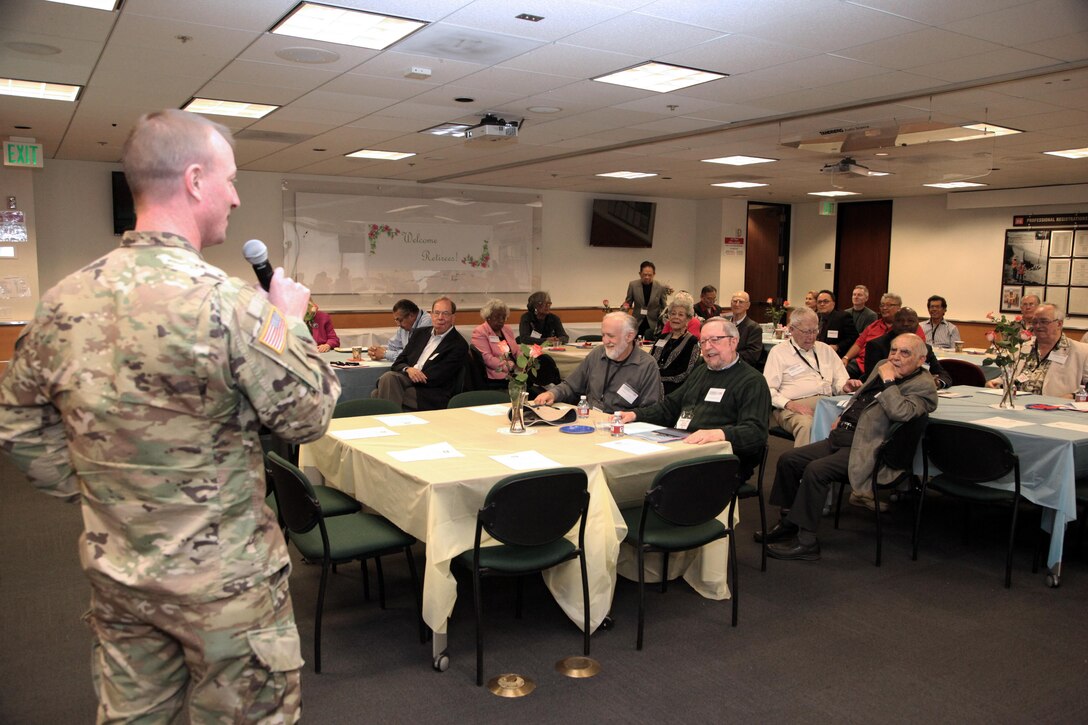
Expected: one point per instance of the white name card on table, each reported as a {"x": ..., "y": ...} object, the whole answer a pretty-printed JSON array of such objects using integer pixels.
[
  {"x": 1066, "y": 425},
  {"x": 638, "y": 427},
  {"x": 526, "y": 461},
  {"x": 634, "y": 447},
  {"x": 400, "y": 419},
  {"x": 358, "y": 433},
  {"x": 998, "y": 422},
  {"x": 433, "y": 452},
  {"x": 492, "y": 410}
]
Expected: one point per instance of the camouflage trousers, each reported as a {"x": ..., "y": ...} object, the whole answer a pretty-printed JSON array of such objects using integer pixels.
[{"x": 237, "y": 659}]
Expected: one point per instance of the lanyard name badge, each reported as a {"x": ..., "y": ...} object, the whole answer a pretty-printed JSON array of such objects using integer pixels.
[{"x": 684, "y": 420}]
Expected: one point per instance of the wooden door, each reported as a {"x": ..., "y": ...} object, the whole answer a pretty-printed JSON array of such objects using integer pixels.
[
  {"x": 765, "y": 269},
  {"x": 862, "y": 250}
]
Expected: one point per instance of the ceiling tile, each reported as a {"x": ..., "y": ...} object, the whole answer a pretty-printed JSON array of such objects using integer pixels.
[{"x": 641, "y": 35}]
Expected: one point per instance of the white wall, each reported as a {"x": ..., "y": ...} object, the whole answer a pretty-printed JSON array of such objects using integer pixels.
[
  {"x": 19, "y": 183},
  {"x": 75, "y": 227},
  {"x": 934, "y": 250}
]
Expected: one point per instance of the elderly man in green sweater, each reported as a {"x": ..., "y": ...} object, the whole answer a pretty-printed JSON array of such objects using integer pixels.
[{"x": 725, "y": 399}]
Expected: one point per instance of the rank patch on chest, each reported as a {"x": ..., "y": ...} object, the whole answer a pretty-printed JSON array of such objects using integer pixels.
[{"x": 274, "y": 332}]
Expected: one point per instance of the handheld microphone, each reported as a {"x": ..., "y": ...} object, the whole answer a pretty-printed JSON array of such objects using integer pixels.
[{"x": 256, "y": 253}]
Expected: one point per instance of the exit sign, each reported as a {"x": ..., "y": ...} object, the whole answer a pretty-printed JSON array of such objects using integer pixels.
[
  {"x": 17, "y": 153},
  {"x": 827, "y": 208}
]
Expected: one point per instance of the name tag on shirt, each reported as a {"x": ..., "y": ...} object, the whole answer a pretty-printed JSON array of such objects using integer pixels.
[
  {"x": 534, "y": 335},
  {"x": 832, "y": 334},
  {"x": 1059, "y": 357},
  {"x": 627, "y": 393},
  {"x": 795, "y": 369},
  {"x": 683, "y": 421},
  {"x": 644, "y": 311},
  {"x": 714, "y": 395},
  {"x": 660, "y": 343},
  {"x": 493, "y": 338}
]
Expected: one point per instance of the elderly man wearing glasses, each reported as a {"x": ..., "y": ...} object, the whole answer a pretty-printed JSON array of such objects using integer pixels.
[
  {"x": 799, "y": 372},
  {"x": 1050, "y": 363},
  {"x": 725, "y": 399}
]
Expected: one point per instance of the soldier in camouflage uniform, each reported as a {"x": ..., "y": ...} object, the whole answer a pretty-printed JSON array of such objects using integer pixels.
[{"x": 139, "y": 389}]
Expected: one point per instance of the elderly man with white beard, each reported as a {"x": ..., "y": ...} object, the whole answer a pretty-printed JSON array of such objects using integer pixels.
[
  {"x": 723, "y": 400},
  {"x": 616, "y": 376}
]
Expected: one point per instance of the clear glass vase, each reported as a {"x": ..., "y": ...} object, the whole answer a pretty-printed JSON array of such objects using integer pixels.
[{"x": 518, "y": 397}]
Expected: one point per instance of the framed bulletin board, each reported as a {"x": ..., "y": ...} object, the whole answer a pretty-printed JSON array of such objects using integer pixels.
[{"x": 1049, "y": 263}]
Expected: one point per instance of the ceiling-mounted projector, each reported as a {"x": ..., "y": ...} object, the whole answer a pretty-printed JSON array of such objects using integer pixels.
[
  {"x": 492, "y": 129},
  {"x": 849, "y": 166}
]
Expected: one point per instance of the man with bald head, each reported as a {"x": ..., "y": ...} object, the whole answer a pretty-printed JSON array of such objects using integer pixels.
[
  {"x": 898, "y": 390},
  {"x": 749, "y": 333}
]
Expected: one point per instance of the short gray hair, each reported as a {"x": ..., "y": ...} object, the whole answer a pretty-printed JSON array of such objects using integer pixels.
[
  {"x": 803, "y": 314},
  {"x": 1059, "y": 313},
  {"x": 728, "y": 327},
  {"x": 892, "y": 296},
  {"x": 492, "y": 306},
  {"x": 916, "y": 344},
  {"x": 162, "y": 144},
  {"x": 630, "y": 324},
  {"x": 684, "y": 301}
]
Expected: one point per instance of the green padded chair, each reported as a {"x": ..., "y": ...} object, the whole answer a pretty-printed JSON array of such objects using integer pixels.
[
  {"x": 529, "y": 514},
  {"x": 680, "y": 513},
  {"x": 478, "y": 397},
  {"x": 755, "y": 490},
  {"x": 333, "y": 502},
  {"x": 338, "y": 539},
  {"x": 588, "y": 338},
  {"x": 365, "y": 406}
]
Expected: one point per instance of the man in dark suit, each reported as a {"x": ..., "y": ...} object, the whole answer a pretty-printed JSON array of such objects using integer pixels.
[
  {"x": 906, "y": 320},
  {"x": 646, "y": 300},
  {"x": 836, "y": 326},
  {"x": 750, "y": 334},
  {"x": 425, "y": 372},
  {"x": 898, "y": 390}
]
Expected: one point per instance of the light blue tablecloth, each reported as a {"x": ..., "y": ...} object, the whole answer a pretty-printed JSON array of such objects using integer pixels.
[{"x": 1051, "y": 459}]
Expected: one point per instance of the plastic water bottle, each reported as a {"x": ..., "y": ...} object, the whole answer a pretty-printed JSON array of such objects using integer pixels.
[
  {"x": 1081, "y": 396},
  {"x": 617, "y": 425},
  {"x": 583, "y": 409}
]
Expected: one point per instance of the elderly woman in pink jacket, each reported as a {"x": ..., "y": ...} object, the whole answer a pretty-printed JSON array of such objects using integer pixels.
[{"x": 495, "y": 340}]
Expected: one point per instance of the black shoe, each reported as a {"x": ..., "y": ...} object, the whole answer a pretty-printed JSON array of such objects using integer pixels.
[
  {"x": 795, "y": 550},
  {"x": 782, "y": 531}
]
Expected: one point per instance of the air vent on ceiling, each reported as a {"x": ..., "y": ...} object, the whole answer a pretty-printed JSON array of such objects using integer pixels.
[{"x": 250, "y": 134}]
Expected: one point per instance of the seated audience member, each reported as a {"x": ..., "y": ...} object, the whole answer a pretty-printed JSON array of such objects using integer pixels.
[
  {"x": 1050, "y": 363},
  {"x": 617, "y": 375},
  {"x": 693, "y": 322},
  {"x": 539, "y": 325},
  {"x": 321, "y": 328},
  {"x": 836, "y": 326},
  {"x": 862, "y": 315},
  {"x": 749, "y": 333},
  {"x": 645, "y": 300},
  {"x": 496, "y": 343},
  {"x": 799, "y": 372},
  {"x": 810, "y": 299},
  {"x": 677, "y": 351},
  {"x": 939, "y": 331},
  {"x": 889, "y": 305},
  {"x": 408, "y": 318},
  {"x": 707, "y": 306},
  {"x": 897, "y": 391},
  {"x": 1028, "y": 305},
  {"x": 725, "y": 399},
  {"x": 429, "y": 366},
  {"x": 906, "y": 320}
]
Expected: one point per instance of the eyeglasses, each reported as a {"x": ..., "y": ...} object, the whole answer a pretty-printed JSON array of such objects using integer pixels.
[
  {"x": 713, "y": 340},
  {"x": 887, "y": 305},
  {"x": 1041, "y": 323},
  {"x": 441, "y": 313},
  {"x": 799, "y": 331}
]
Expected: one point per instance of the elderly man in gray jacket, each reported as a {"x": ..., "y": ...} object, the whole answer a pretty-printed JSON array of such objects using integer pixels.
[{"x": 898, "y": 390}]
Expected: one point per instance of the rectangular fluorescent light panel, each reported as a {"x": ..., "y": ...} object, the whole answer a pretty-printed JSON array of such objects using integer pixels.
[
  {"x": 739, "y": 184},
  {"x": 93, "y": 4},
  {"x": 346, "y": 27},
  {"x": 985, "y": 130},
  {"x": 39, "y": 89},
  {"x": 739, "y": 160},
  {"x": 954, "y": 185},
  {"x": 212, "y": 107},
  {"x": 833, "y": 193},
  {"x": 627, "y": 175},
  {"x": 380, "y": 155},
  {"x": 1070, "y": 153},
  {"x": 455, "y": 202},
  {"x": 456, "y": 130},
  {"x": 659, "y": 77}
]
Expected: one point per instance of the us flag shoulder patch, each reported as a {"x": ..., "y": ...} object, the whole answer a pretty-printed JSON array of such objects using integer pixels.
[{"x": 274, "y": 332}]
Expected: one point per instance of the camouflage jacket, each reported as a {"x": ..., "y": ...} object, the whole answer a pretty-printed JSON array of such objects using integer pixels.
[{"x": 140, "y": 387}]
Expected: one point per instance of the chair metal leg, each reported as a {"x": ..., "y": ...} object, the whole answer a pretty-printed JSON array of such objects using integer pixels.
[
  {"x": 477, "y": 599},
  {"x": 365, "y": 568},
  {"x": 879, "y": 533},
  {"x": 664, "y": 572},
  {"x": 733, "y": 582},
  {"x": 838, "y": 503},
  {"x": 317, "y": 617},
  {"x": 1012, "y": 542},
  {"x": 416, "y": 593},
  {"x": 641, "y": 593},
  {"x": 381, "y": 581},
  {"x": 917, "y": 524},
  {"x": 585, "y": 602},
  {"x": 763, "y": 524}
]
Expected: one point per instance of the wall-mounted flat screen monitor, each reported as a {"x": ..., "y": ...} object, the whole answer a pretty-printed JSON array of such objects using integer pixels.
[
  {"x": 124, "y": 212},
  {"x": 622, "y": 223}
]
